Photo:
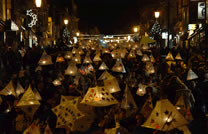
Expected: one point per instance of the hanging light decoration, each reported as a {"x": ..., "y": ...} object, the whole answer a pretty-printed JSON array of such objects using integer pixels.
[
  {"x": 45, "y": 59},
  {"x": 71, "y": 69},
  {"x": 191, "y": 75},
  {"x": 77, "y": 59},
  {"x": 60, "y": 59},
  {"x": 139, "y": 52},
  {"x": 80, "y": 51},
  {"x": 57, "y": 82},
  {"x": 97, "y": 57},
  {"x": 119, "y": 67},
  {"x": 178, "y": 57},
  {"x": 141, "y": 91},
  {"x": 145, "y": 47},
  {"x": 150, "y": 68},
  {"x": 169, "y": 57},
  {"x": 106, "y": 51},
  {"x": 87, "y": 59},
  {"x": 74, "y": 50},
  {"x": 145, "y": 58},
  {"x": 103, "y": 66},
  {"x": 123, "y": 53},
  {"x": 68, "y": 55},
  {"x": 152, "y": 59},
  {"x": 132, "y": 54}
]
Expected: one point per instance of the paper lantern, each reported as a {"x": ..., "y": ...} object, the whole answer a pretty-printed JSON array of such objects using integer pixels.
[
  {"x": 169, "y": 57},
  {"x": 123, "y": 53},
  {"x": 37, "y": 94},
  {"x": 147, "y": 107},
  {"x": 105, "y": 76},
  {"x": 71, "y": 69},
  {"x": 111, "y": 84},
  {"x": 97, "y": 57},
  {"x": 77, "y": 59},
  {"x": 74, "y": 50},
  {"x": 141, "y": 91},
  {"x": 68, "y": 55},
  {"x": 132, "y": 54},
  {"x": 29, "y": 102},
  {"x": 32, "y": 129},
  {"x": 191, "y": 75},
  {"x": 103, "y": 66},
  {"x": 80, "y": 51},
  {"x": 60, "y": 59},
  {"x": 128, "y": 100},
  {"x": 8, "y": 90},
  {"x": 87, "y": 59},
  {"x": 57, "y": 82},
  {"x": 119, "y": 67},
  {"x": 164, "y": 117},
  {"x": 67, "y": 113},
  {"x": 19, "y": 89},
  {"x": 145, "y": 47},
  {"x": 45, "y": 59},
  {"x": 152, "y": 59},
  {"x": 38, "y": 68},
  {"x": 150, "y": 68},
  {"x": 47, "y": 130},
  {"x": 145, "y": 58},
  {"x": 98, "y": 97},
  {"x": 106, "y": 51},
  {"x": 139, "y": 52},
  {"x": 178, "y": 57},
  {"x": 115, "y": 54}
]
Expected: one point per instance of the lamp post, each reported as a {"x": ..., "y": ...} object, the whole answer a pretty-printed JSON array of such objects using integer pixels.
[
  {"x": 157, "y": 15},
  {"x": 135, "y": 29},
  {"x": 66, "y": 21},
  {"x": 38, "y": 3}
]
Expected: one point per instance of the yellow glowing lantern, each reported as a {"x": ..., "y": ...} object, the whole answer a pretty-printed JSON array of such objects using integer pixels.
[
  {"x": 87, "y": 59},
  {"x": 60, "y": 59},
  {"x": 57, "y": 82},
  {"x": 145, "y": 47},
  {"x": 139, "y": 52},
  {"x": 191, "y": 75},
  {"x": 74, "y": 50},
  {"x": 19, "y": 89},
  {"x": 71, "y": 69},
  {"x": 119, "y": 67},
  {"x": 169, "y": 57},
  {"x": 106, "y": 50},
  {"x": 178, "y": 57},
  {"x": 145, "y": 58},
  {"x": 68, "y": 55},
  {"x": 45, "y": 59},
  {"x": 141, "y": 91},
  {"x": 103, "y": 66},
  {"x": 152, "y": 59},
  {"x": 77, "y": 59},
  {"x": 132, "y": 54},
  {"x": 97, "y": 57}
]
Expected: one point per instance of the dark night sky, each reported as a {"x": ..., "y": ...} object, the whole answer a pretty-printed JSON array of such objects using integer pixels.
[{"x": 110, "y": 16}]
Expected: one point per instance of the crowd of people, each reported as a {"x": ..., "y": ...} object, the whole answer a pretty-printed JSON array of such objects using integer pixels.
[{"x": 168, "y": 81}]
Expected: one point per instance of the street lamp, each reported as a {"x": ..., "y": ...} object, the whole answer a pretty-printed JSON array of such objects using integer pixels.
[
  {"x": 66, "y": 21},
  {"x": 135, "y": 29},
  {"x": 77, "y": 33},
  {"x": 38, "y": 3},
  {"x": 157, "y": 15}
]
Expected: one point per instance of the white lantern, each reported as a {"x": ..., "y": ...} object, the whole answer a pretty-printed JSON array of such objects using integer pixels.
[{"x": 141, "y": 91}]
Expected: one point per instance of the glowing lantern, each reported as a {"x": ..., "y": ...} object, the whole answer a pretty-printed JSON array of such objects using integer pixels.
[
  {"x": 71, "y": 69},
  {"x": 74, "y": 50},
  {"x": 165, "y": 117},
  {"x": 56, "y": 82},
  {"x": 60, "y": 59},
  {"x": 150, "y": 68},
  {"x": 169, "y": 56},
  {"x": 8, "y": 90},
  {"x": 80, "y": 51},
  {"x": 178, "y": 57},
  {"x": 141, "y": 91},
  {"x": 139, "y": 52},
  {"x": 77, "y": 59},
  {"x": 99, "y": 97},
  {"x": 115, "y": 54},
  {"x": 103, "y": 66},
  {"x": 45, "y": 59},
  {"x": 97, "y": 57},
  {"x": 19, "y": 89},
  {"x": 112, "y": 85},
  {"x": 119, "y": 67},
  {"x": 87, "y": 59},
  {"x": 68, "y": 55},
  {"x": 145, "y": 58},
  {"x": 152, "y": 59},
  {"x": 145, "y": 47},
  {"x": 191, "y": 75},
  {"x": 106, "y": 50},
  {"x": 132, "y": 54}
]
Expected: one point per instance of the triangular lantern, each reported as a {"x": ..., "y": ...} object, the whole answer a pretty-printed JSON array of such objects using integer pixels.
[
  {"x": 45, "y": 59},
  {"x": 178, "y": 57},
  {"x": 80, "y": 51},
  {"x": 19, "y": 89},
  {"x": 139, "y": 52},
  {"x": 111, "y": 84},
  {"x": 145, "y": 58},
  {"x": 37, "y": 94},
  {"x": 68, "y": 55},
  {"x": 32, "y": 129},
  {"x": 132, "y": 54},
  {"x": 105, "y": 76},
  {"x": 74, "y": 50},
  {"x": 115, "y": 54},
  {"x": 128, "y": 102},
  {"x": 141, "y": 91},
  {"x": 29, "y": 103},
  {"x": 169, "y": 57},
  {"x": 60, "y": 59},
  {"x": 77, "y": 59},
  {"x": 191, "y": 75},
  {"x": 119, "y": 67},
  {"x": 147, "y": 107},
  {"x": 103, "y": 66},
  {"x": 38, "y": 68},
  {"x": 56, "y": 82},
  {"x": 8, "y": 90},
  {"x": 98, "y": 97},
  {"x": 145, "y": 47},
  {"x": 97, "y": 57},
  {"x": 67, "y": 113},
  {"x": 47, "y": 130},
  {"x": 87, "y": 59},
  {"x": 164, "y": 117},
  {"x": 106, "y": 51},
  {"x": 152, "y": 59},
  {"x": 146, "y": 40},
  {"x": 71, "y": 69},
  {"x": 123, "y": 53}
]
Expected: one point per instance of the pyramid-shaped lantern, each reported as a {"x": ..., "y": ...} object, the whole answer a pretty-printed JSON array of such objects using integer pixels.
[
  {"x": 132, "y": 54},
  {"x": 97, "y": 57},
  {"x": 164, "y": 117},
  {"x": 123, "y": 53},
  {"x": 145, "y": 47},
  {"x": 105, "y": 75},
  {"x": 38, "y": 68},
  {"x": 178, "y": 57},
  {"x": 60, "y": 59},
  {"x": 103, "y": 66},
  {"x": 8, "y": 90},
  {"x": 119, "y": 67},
  {"x": 139, "y": 52},
  {"x": 145, "y": 58},
  {"x": 106, "y": 51},
  {"x": 80, "y": 51},
  {"x": 19, "y": 89},
  {"x": 191, "y": 75},
  {"x": 116, "y": 54},
  {"x": 87, "y": 59},
  {"x": 152, "y": 59},
  {"x": 77, "y": 59},
  {"x": 147, "y": 107},
  {"x": 45, "y": 59},
  {"x": 128, "y": 100},
  {"x": 71, "y": 69},
  {"x": 141, "y": 91},
  {"x": 32, "y": 129},
  {"x": 98, "y": 97},
  {"x": 29, "y": 103},
  {"x": 74, "y": 50},
  {"x": 68, "y": 55},
  {"x": 169, "y": 57}
]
